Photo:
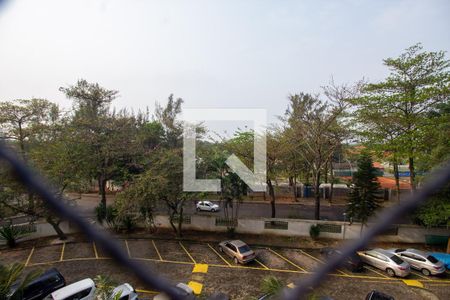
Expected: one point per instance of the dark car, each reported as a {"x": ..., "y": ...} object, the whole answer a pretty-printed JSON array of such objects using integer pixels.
[
  {"x": 353, "y": 263},
  {"x": 376, "y": 295},
  {"x": 43, "y": 285}
]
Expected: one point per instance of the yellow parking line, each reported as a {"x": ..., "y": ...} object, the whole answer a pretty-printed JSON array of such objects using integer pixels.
[
  {"x": 146, "y": 291},
  {"x": 128, "y": 248},
  {"x": 62, "y": 252},
  {"x": 420, "y": 275},
  {"x": 219, "y": 255},
  {"x": 287, "y": 260},
  {"x": 187, "y": 252},
  {"x": 156, "y": 249},
  {"x": 95, "y": 250},
  {"x": 381, "y": 274},
  {"x": 29, "y": 257},
  {"x": 262, "y": 264},
  {"x": 310, "y": 256}
]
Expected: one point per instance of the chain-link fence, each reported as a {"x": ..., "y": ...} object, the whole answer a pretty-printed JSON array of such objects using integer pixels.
[{"x": 303, "y": 287}]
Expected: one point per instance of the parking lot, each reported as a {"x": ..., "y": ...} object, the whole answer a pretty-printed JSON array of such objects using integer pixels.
[{"x": 208, "y": 271}]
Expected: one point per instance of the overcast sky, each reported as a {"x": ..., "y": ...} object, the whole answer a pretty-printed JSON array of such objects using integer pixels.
[{"x": 213, "y": 54}]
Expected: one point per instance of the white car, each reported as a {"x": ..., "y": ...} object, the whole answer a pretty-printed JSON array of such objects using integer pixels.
[
  {"x": 80, "y": 290},
  {"x": 184, "y": 289},
  {"x": 207, "y": 206},
  {"x": 127, "y": 292}
]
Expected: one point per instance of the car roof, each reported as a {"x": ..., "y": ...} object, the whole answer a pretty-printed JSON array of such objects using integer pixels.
[
  {"x": 419, "y": 252},
  {"x": 73, "y": 288},
  {"x": 382, "y": 251},
  {"x": 238, "y": 243}
]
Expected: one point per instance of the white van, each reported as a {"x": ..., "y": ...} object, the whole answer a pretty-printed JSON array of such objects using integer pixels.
[{"x": 80, "y": 290}]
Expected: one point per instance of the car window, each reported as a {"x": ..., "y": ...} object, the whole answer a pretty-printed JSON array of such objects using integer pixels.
[
  {"x": 232, "y": 247},
  {"x": 124, "y": 297},
  {"x": 432, "y": 259},
  {"x": 244, "y": 249},
  {"x": 397, "y": 259}
]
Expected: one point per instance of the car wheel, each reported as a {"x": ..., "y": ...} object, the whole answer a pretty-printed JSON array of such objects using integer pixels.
[
  {"x": 426, "y": 272},
  {"x": 236, "y": 261},
  {"x": 213, "y": 210},
  {"x": 390, "y": 272},
  {"x": 220, "y": 249}
]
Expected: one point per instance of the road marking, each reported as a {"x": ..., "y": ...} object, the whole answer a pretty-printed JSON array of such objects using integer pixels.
[
  {"x": 321, "y": 261},
  {"x": 411, "y": 282},
  {"x": 187, "y": 252},
  {"x": 420, "y": 275},
  {"x": 62, "y": 252},
  {"x": 381, "y": 274},
  {"x": 95, "y": 250},
  {"x": 128, "y": 248},
  {"x": 29, "y": 257},
  {"x": 196, "y": 287},
  {"x": 262, "y": 264},
  {"x": 287, "y": 260},
  {"x": 200, "y": 268},
  {"x": 219, "y": 255},
  {"x": 157, "y": 251},
  {"x": 146, "y": 291}
]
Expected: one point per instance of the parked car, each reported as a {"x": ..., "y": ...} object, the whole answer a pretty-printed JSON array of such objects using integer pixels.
[
  {"x": 376, "y": 295},
  {"x": 443, "y": 257},
  {"x": 80, "y": 290},
  {"x": 238, "y": 250},
  {"x": 127, "y": 292},
  {"x": 420, "y": 260},
  {"x": 207, "y": 206},
  {"x": 386, "y": 261},
  {"x": 184, "y": 290},
  {"x": 50, "y": 281},
  {"x": 353, "y": 263}
]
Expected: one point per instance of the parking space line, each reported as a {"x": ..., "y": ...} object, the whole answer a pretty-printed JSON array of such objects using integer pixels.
[
  {"x": 262, "y": 264},
  {"x": 146, "y": 291},
  {"x": 420, "y": 275},
  {"x": 29, "y": 257},
  {"x": 287, "y": 260},
  {"x": 312, "y": 257},
  {"x": 128, "y": 248},
  {"x": 95, "y": 250},
  {"x": 218, "y": 254},
  {"x": 187, "y": 252},
  {"x": 62, "y": 252},
  {"x": 381, "y": 274},
  {"x": 157, "y": 251}
]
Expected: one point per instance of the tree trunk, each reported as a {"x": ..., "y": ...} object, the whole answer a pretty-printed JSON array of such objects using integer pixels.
[
  {"x": 102, "y": 189},
  {"x": 397, "y": 180},
  {"x": 180, "y": 223},
  {"x": 317, "y": 195},
  {"x": 272, "y": 197},
  {"x": 332, "y": 182},
  {"x": 171, "y": 223},
  {"x": 362, "y": 226},
  {"x": 295, "y": 188},
  {"x": 412, "y": 174},
  {"x": 62, "y": 236}
]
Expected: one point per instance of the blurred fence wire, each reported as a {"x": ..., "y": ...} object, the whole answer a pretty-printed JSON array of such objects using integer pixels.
[{"x": 31, "y": 180}]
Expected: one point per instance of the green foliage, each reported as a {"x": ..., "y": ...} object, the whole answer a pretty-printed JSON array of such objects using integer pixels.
[
  {"x": 436, "y": 210},
  {"x": 314, "y": 231},
  {"x": 105, "y": 287},
  {"x": 271, "y": 285},
  {"x": 11, "y": 234},
  {"x": 10, "y": 275},
  {"x": 364, "y": 192}
]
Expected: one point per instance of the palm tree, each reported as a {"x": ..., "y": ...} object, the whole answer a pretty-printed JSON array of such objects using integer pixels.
[
  {"x": 9, "y": 276},
  {"x": 271, "y": 285}
]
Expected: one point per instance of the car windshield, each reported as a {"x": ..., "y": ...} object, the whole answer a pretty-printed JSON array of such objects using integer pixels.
[
  {"x": 244, "y": 249},
  {"x": 432, "y": 259},
  {"x": 397, "y": 260}
]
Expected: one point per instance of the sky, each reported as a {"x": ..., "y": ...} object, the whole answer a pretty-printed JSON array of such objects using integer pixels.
[{"x": 213, "y": 54}]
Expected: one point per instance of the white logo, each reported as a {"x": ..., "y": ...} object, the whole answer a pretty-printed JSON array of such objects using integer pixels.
[{"x": 255, "y": 180}]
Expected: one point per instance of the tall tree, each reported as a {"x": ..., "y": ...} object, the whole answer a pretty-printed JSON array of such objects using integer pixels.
[
  {"x": 417, "y": 83},
  {"x": 363, "y": 197}
]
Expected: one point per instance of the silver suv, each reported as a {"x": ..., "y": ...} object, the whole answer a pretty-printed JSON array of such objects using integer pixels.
[
  {"x": 238, "y": 250},
  {"x": 386, "y": 261},
  {"x": 420, "y": 260}
]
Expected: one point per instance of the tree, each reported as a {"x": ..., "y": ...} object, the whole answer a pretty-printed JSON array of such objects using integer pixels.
[
  {"x": 9, "y": 275},
  {"x": 417, "y": 83},
  {"x": 314, "y": 126},
  {"x": 271, "y": 285},
  {"x": 436, "y": 210},
  {"x": 363, "y": 197}
]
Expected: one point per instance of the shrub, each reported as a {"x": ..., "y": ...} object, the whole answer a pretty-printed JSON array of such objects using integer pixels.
[
  {"x": 314, "y": 231},
  {"x": 100, "y": 212},
  {"x": 11, "y": 234}
]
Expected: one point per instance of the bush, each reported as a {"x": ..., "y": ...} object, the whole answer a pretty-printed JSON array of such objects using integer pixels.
[
  {"x": 100, "y": 212},
  {"x": 314, "y": 231},
  {"x": 11, "y": 234}
]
